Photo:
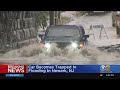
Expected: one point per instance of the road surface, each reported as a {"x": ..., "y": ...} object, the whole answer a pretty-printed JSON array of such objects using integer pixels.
[{"x": 33, "y": 54}]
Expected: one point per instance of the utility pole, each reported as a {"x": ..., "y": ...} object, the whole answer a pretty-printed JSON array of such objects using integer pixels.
[
  {"x": 59, "y": 18},
  {"x": 51, "y": 13},
  {"x": 54, "y": 17}
]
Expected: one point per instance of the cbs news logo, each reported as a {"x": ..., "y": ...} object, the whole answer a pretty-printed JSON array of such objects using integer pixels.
[{"x": 105, "y": 68}]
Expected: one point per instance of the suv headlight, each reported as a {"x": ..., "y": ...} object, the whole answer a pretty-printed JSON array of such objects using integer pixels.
[
  {"x": 47, "y": 45},
  {"x": 74, "y": 45}
]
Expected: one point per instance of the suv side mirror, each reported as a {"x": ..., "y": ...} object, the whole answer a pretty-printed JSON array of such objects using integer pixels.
[
  {"x": 42, "y": 37},
  {"x": 86, "y": 36}
]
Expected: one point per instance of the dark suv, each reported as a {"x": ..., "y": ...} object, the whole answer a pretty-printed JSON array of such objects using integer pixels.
[{"x": 65, "y": 35}]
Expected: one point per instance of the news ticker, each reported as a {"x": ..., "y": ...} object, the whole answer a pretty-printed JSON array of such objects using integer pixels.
[
  {"x": 77, "y": 71},
  {"x": 59, "y": 68}
]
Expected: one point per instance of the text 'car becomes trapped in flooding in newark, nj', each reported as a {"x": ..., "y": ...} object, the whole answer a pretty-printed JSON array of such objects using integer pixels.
[{"x": 63, "y": 36}]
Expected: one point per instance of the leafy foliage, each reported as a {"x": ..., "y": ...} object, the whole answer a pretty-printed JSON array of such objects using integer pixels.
[{"x": 41, "y": 18}]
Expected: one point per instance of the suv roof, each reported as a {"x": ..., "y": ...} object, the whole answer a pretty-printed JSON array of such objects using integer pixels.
[{"x": 65, "y": 26}]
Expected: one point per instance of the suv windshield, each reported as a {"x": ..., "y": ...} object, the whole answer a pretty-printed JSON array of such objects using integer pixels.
[{"x": 63, "y": 31}]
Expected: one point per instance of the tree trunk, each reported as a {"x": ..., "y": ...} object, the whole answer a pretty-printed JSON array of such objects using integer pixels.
[{"x": 52, "y": 18}]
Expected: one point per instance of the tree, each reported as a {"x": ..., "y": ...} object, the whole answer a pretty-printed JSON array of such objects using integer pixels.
[{"x": 41, "y": 19}]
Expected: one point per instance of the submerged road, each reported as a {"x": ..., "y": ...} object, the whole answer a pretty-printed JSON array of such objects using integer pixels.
[{"x": 89, "y": 55}]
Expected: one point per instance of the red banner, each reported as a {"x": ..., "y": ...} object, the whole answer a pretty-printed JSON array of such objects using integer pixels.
[
  {"x": 3, "y": 68},
  {"x": 11, "y": 68}
]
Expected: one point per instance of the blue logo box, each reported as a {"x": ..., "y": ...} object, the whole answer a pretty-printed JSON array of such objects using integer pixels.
[{"x": 14, "y": 75}]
